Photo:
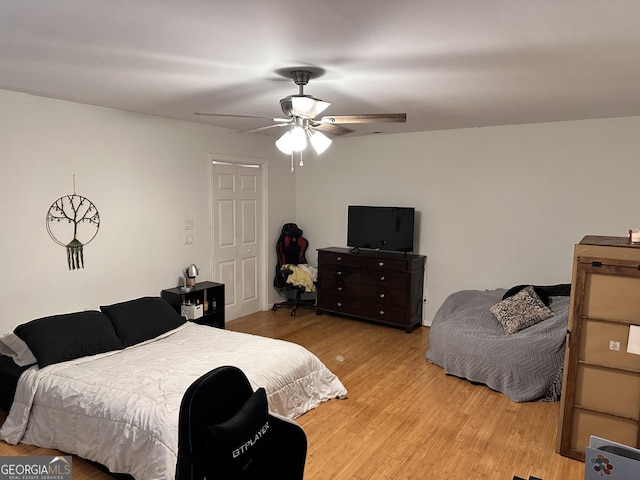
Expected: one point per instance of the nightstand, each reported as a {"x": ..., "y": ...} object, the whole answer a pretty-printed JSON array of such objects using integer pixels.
[{"x": 208, "y": 294}]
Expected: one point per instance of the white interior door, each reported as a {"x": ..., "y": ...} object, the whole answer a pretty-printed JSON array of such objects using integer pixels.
[{"x": 237, "y": 227}]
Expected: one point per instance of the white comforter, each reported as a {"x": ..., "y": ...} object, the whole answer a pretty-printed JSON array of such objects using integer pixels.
[{"x": 121, "y": 408}]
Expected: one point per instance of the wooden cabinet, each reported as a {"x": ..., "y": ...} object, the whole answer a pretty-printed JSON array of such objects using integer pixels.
[
  {"x": 383, "y": 287},
  {"x": 601, "y": 383},
  {"x": 208, "y": 294}
]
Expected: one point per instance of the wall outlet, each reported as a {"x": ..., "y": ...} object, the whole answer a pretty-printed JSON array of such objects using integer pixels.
[
  {"x": 188, "y": 223},
  {"x": 614, "y": 345},
  {"x": 188, "y": 238}
]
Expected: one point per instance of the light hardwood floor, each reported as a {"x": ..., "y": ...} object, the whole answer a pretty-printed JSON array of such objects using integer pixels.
[{"x": 403, "y": 418}]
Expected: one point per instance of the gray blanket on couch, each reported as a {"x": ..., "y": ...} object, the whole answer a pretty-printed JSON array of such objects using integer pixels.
[{"x": 467, "y": 341}]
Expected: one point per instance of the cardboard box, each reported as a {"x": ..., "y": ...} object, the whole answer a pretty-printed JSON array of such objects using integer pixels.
[
  {"x": 191, "y": 312},
  {"x": 610, "y": 460}
]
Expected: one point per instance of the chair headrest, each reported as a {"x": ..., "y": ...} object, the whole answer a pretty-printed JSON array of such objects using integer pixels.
[{"x": 291, "y": 230}]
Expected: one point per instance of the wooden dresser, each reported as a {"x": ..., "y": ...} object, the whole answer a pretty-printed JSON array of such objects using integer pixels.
[
  {"x": 383, "y": 287},
  {"x": 601, "y": 383}
]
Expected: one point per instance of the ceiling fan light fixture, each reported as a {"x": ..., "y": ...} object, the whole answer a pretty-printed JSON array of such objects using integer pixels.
[
  {"x": 319, "y": 141},
  {"x": 303, "y": 106},
  {"x": 298, "y": 139},
  {"x": 294, "y": 140},
  {"x": 284, "y": 143}
]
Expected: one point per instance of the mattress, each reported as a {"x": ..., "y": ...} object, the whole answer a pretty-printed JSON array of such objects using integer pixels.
[
  {"x": 121, "y": 408},
  {"x": 467, "y": 341}
]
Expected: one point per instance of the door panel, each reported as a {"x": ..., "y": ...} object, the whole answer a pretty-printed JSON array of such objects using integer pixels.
[
  {"x": 237, "y": 198},
  {"x": 227, "y": 275}
]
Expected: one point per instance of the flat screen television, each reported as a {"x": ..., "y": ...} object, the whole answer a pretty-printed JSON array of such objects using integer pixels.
[{"x": 380, "y": 228}]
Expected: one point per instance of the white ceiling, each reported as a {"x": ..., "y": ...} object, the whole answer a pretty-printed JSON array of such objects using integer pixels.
[{"x": 446, "y": 63}]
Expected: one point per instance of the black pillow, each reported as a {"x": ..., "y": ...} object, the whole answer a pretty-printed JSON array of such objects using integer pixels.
[
  {"x": 539, "y": 291},
  {"x": 66, "y": 337},
  {"x": 142, "y": 319},
  {"x": 543, "y": 291},
  {"x": 560, "y": 290},
  {"x": 240, "y": 442}
]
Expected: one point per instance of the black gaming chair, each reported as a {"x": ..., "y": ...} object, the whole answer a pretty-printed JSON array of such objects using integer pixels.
[
  {"x": 291, "y": 249},
  {"x": 225, "y": 432}
]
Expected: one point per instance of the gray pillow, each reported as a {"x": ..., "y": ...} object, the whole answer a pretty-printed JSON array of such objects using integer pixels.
[{"x": 13, "y": 346}]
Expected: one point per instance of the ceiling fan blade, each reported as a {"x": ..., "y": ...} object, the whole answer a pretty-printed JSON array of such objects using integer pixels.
[
  {"x": 259, "y": 129},
  {"x": 331, "y": 129},
  {"x": 274, "y": 119},
  {"x": 366, "y": 118},
  {"x": 200, "y": 114}
]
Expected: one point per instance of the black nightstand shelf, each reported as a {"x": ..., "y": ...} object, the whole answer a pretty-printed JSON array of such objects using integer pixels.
[{"x": 208, "y": 294}]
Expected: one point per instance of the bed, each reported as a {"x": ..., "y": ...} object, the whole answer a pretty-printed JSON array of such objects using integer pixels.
[
  {"x": 119, "y": 407},
  {"x": 467, "y": 341}
]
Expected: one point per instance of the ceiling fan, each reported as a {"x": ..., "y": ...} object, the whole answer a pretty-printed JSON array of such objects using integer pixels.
[{"x": 301, "y": 111}]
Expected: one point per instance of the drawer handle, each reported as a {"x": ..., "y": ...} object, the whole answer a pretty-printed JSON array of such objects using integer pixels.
[
  {"x": 381, "y": 312},
  {"x": 381, "y": 264},
  {"x": 338, "y": 273},
  {"x": 339, "y": 304},
  {"x": 339, "y": 258},
  {"x": 382, "y": 278},
  {"x": 339, "y": 289},
  {"x": 382, "y": 295}
]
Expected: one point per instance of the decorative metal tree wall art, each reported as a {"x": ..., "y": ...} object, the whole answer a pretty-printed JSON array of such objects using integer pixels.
[{"x": 76, "y": 217}]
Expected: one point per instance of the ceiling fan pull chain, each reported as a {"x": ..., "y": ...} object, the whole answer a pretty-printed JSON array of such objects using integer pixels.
[
  {"x": 301, "y": 164},
  {"x": 291, "y": 161}
]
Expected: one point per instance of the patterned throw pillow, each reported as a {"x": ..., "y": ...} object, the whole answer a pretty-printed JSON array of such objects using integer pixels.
[{"x": 520, "y": 311}]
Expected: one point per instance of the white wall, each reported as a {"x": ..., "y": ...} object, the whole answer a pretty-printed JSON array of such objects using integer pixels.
[
  {"x": 145, "y": 175},
  {"x": 497, "y": 206}
]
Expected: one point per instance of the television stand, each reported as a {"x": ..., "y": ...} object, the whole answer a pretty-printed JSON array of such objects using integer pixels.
[{"x": 381, "y": 287}]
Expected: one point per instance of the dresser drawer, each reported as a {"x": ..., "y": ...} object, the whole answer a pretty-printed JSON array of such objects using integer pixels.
[
  {"x": 389, "y": 264},
  {"x": 339, "y": 303},
  {"x": 384, "y": 278},
  {"x": 621, "y": 396},
  {"x": 383, "y": 295},
  {"x": 337, "y": 258},
  {"x": 332, "y": 286},
  {"x": 384, "y": 313},
  {"x": 613, "y": 298},
  {"x": 595, "y": 349},
  {"x": 338, "y": 275}
]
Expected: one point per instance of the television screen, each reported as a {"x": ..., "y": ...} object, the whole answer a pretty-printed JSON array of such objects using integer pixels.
[{"x": 380, "y": 228}]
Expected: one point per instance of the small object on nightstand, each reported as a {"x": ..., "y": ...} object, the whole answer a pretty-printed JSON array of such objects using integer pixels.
[
  {"x": 190, "y": 274},
  {"x": 191, "y": 312}
]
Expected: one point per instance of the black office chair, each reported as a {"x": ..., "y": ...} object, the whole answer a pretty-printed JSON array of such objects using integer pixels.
[
  {"x": 291, "y": 249},
  {"x": 225, "y": 432}
]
